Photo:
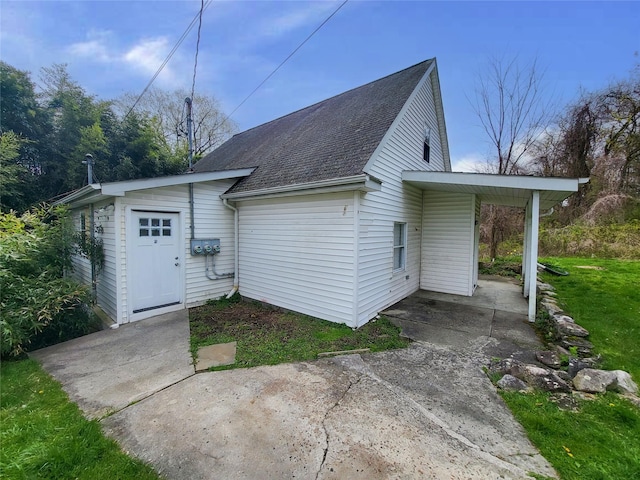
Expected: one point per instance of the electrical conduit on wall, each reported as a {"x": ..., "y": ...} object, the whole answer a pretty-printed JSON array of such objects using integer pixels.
[{"x": 236, "y": 248}]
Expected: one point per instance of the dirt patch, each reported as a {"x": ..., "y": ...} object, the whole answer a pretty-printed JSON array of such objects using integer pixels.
[
  {"x": 240, "y": 318},
  {"x": 590, "y": 267}
]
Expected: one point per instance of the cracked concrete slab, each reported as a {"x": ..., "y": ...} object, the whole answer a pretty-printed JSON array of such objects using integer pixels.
[
  {"x": 383, "y": 415},
  {"x": 427, "y": 411}
]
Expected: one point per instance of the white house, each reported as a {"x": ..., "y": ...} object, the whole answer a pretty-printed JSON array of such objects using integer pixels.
[{"x": 338, "y": 211}]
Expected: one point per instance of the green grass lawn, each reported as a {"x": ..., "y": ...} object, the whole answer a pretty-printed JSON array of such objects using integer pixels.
[
  {"x": 268, "y": 336},
  {"x": 601, "y": 440},
  {"x": 606, "y": 301},
  {"x": 44, "y": 435}
]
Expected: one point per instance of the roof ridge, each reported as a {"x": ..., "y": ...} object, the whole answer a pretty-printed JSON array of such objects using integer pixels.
[{"x": 335, "y": 96}]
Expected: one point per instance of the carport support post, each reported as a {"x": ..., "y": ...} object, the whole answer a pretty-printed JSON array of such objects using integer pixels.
[
  {"x": 532, "y": 252},
  {"x": 525, "y": 249}
]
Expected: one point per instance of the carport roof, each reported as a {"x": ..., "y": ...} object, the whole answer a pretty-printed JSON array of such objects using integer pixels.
[{"x": 511, "y": 190}]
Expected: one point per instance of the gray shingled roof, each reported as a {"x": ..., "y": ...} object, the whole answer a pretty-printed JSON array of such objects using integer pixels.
[{"x": 331, "y": 139}]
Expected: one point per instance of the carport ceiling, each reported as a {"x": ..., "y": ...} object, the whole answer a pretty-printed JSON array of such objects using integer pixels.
[{"x": 511, "y": 190}]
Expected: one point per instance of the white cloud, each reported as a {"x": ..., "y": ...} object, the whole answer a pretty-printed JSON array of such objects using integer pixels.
[
  {"x": 282, "y": 24},
  {"x": 148, "y": 55},
  {"x": 143, "y": 57},
  {"x": 472, "y": 162},
  {"x": 95, "y": 47}
]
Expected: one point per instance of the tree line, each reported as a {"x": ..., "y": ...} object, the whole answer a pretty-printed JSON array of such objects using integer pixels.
[
  {"x": 46, "y": 132},
  {"x": 595, "y": 136}
]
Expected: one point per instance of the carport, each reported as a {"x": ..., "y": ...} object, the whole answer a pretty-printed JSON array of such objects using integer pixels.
[{"x": 451, "y": 209}]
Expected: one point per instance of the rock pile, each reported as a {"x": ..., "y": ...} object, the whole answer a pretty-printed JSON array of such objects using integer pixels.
[
  {"x": 568, "y": 365},
  {"x": 519, "y": 376}
]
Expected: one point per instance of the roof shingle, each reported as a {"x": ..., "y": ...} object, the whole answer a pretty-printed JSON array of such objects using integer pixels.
[{"x": 331, "y": 139}]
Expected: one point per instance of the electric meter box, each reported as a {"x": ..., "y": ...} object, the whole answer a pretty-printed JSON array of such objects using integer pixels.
[{"x": 209, "y": 246}]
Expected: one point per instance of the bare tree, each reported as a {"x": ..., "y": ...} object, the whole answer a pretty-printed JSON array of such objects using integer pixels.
[
  {"x": 513, "y": 112},
  {"x": 211, "y": 127}
]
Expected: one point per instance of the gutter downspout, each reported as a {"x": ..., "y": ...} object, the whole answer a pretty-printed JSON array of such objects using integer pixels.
[{"x": 236, "y": 248}]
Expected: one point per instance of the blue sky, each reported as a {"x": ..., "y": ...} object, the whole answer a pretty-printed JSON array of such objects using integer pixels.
[{"x": 113, "y": 47}]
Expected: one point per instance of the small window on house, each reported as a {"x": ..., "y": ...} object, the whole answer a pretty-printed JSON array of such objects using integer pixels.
[
  {"x": 426, "y": 149},
  {"x": 83, "y": 229},
  {"x": 399, "y": 245}
]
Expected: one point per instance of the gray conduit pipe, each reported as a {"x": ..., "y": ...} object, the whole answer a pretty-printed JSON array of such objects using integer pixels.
[
  {"x": 236, "y": 249},
  {"x": 217, "y": 276}
]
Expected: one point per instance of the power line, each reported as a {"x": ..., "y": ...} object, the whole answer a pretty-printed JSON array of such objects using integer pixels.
[
  {"x": 173, "y": 50},
  {"x": 286, "y": 59},
  {"x": 195, "y": 63}
]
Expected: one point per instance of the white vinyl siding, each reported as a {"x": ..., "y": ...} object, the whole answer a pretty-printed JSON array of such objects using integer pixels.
[
  {"x": 81, "y": 267},
  {"x": 105, "y": 231},
  {"x": 379, "y": 286},
  {"x": 212, "y": 220},
  {"x": 448, "y": 243},
  {"x": 106, "y": 287},
  {"x": 298, "y": 253}
]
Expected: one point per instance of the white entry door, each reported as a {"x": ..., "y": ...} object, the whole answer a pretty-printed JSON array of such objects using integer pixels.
[{"x": 154, "y": 260}]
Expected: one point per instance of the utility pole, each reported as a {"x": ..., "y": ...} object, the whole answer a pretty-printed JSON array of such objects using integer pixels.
[{"x": 188, "y": 102}]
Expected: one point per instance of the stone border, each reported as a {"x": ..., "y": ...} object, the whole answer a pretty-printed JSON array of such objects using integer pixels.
[{"x": 568, "y": 366}]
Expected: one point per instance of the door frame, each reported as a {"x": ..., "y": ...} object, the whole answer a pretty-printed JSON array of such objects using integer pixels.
[{"x": 130, "y": 229}]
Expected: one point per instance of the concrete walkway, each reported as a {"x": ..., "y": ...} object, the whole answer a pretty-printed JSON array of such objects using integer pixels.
[
  {"x": 423, "y": 412},
  {"x": 108, "y": 370}
]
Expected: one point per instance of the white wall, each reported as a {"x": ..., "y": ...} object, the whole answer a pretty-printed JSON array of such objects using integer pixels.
[
  {"x": 401, "y": 149},
  {"x": 297, "y": 253},
  {"x": 106, "y": 279},
  {"x": 448, "y": 243},
  {"x": 212, "y": 220}
]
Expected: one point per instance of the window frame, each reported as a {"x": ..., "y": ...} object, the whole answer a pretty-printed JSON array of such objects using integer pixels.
[
  {"x": 402, "y": 246},
  {"x": 426, "y": 147}
]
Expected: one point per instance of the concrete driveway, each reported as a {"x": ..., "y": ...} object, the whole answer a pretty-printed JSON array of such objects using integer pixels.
[{"x": 423, "y": 412}]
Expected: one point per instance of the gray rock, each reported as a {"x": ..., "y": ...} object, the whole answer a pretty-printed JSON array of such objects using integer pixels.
[
  {"x": 544, "y": 287},
  {"x": 593, "y": 362},
  {"x": 530, "y": 372},
  {"x": 506, "y": 366},
  {"x": 583, "y": 346},
  {"x": 594, "y": 381},
  {"x": 549, "y": 358},
  {"x": 550, "y": 383},
  {"x": 571, "y": 329},
  {"x": 575, "y": 365},
  {"x": 561, "y": 351},
  {"x": 623, "y": 383},
  {"x": 632, "y": 398},
  {"x": 563, "y": 375},
  {"x": 542, "y": 379},
  {"x": 562, "y": 317},
  {"x": 511, "y": 383},
  {"x": 551, "y": 306}
]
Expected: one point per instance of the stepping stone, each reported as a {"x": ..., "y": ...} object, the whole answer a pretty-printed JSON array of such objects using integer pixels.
[{"x": 216, "y": 356}]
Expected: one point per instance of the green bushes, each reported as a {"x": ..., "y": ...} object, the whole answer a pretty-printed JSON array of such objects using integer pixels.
[{"x": 38, "y": 307}]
